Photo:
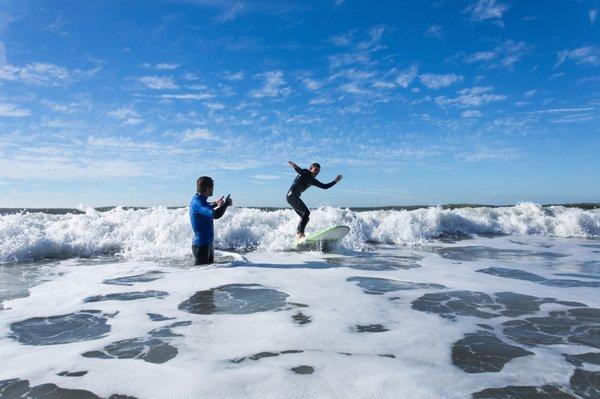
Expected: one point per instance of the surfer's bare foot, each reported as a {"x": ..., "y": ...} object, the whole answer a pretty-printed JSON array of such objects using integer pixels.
[{"x": 300, "y": 235}]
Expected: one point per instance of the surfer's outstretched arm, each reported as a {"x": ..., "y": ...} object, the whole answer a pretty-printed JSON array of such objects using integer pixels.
[
  {"x": 317, "y": 183},
  {"x": 296, "y": 167}
]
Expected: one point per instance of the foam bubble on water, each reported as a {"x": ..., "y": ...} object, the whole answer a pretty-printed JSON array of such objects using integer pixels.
[{"x": 159, "y": 232}]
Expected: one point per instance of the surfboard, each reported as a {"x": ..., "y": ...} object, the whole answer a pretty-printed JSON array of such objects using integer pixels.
[{"x": 322, "y": 239}]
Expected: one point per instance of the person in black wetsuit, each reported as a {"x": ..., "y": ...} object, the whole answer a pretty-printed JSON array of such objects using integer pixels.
[{"x": 305, "y": 179}]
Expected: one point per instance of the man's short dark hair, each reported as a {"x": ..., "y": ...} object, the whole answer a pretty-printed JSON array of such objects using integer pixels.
[
  {"x": 315, "y": 165},
  {"x": 204, "y": 182}
]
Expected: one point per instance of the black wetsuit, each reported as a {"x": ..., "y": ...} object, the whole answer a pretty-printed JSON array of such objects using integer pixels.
[{"x": 303, "y": 181}]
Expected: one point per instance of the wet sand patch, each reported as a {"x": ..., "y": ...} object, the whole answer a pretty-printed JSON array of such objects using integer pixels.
[
  {"x": 127, "y": 296},
  {"x": 138, "y": 278},
  {"x": 379, "y": 286},
  {"x": 85, "y": 325},
  {"x": 235, "y": 299},
  {"x": 482, "y": 352}
]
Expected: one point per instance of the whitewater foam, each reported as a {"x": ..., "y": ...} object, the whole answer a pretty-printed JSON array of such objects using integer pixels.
[
  {"x": 399, "y": 362},
  {"x": 160, "y": 232}
]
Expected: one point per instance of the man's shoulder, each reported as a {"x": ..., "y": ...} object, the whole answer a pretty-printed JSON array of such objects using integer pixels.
[{"x": 197, "y": 201}]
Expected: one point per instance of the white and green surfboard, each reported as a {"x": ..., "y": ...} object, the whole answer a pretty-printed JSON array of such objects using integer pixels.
[{"x": 322, "y": 239}]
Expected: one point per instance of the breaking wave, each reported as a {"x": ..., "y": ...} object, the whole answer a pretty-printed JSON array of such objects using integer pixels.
[{"x": 164, "y": 233}]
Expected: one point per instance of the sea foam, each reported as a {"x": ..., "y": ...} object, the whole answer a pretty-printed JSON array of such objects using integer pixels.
[{"x": 160, "y": 232}]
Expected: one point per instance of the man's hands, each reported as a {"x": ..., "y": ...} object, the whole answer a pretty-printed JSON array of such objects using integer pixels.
[
  {"x": 338, "y": 178},
  {"x": 227, "y": 201},
  {"x": 293, "y": 165}
]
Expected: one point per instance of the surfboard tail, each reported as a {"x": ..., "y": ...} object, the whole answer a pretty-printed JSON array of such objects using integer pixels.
[{"x": 328, "y": 238}]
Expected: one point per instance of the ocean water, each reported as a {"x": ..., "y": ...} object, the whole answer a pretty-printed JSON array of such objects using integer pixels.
[{"x": 426, "y": 303}]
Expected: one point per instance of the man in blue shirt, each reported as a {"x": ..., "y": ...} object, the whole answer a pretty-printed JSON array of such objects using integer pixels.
[{"x": 202, "y": 214}]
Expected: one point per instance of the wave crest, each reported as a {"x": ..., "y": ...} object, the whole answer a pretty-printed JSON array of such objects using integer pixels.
[{"x": 164, "y": 233}]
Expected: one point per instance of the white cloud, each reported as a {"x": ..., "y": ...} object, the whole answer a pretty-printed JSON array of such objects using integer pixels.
[
  {"x": 562, "y": 110},
  {"x": 471, "y": 114},
  {"x": 593, "y": 15},
  {"x": 360, "y": 53},
  {"x": 433, "y": 31},
  {"x": 589, "y": 55},
  {"x": 197, "y": 134},
  {"x": 124, "y": 143},
  {"x": 158, "y": 82},
  {"x": 530, "y": 93},
  {"x": 166, "y": 66},
  {"x": 67, "y": 169},
  {"x": 481, "y": 56},
  {"x": 215, "y": 106},
  {"x": 382, "y": 84},
  {"x": 187, "y": 96},
  {"x": 35, "y": 163},
  {"x": 239, "y": 165},
  {"x": 127, "y": 115},
  {"x": 234, "y": 76},
  {"x": 197, "y": 87},
  {"x": 435, "y": 81},
  {"x": 352, "y": 88},
  {"x": 312, "y": 84},
  {"x": 57, "y": 25},
  {"x": 589, "y": 79},
  {"x": 489, "y": 154},
  {"x": 267, "y": 177},
  {"x": 506, "y": 54},
  {"x": 353, "y": 74},
  {"x": 163, "y": 66},
  {"x": 273, "y": 86},
  {"x": 2, "y": 53},
  {"x": 320, "y": 101},
  {"x": 471, "y": 97},
  {"x": 189, "y": 76},
  {"x": 11, "y": 110},
  {"x": 344, "y": 59},
  {"x": 36, "y": 73},
  {"x": 342, "y": 40},
  {"x": 405, "y": 77},
  {"x": 372, "y": 42},
  {"x": 484, "y": 10},
  {"x": 236, "y": 10},
  {"x": 67, "y": 108},
  {"x": 574, "y": 118}
]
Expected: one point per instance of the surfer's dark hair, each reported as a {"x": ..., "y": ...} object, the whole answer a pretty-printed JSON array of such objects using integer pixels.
[
  {"x": 204, "y": 182},
  {"x": 315, "y": 165}
]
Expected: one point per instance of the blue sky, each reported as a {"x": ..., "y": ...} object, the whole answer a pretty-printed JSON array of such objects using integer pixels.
[{"x": 128, "y": 102}]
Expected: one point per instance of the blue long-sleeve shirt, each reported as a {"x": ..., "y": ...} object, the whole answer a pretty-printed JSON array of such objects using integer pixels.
[{"x": 201, "y": 216}]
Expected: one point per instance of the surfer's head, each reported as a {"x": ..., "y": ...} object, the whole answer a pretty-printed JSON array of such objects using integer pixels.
[
  {"x": 204, "y": 186},
  {"x": 315, "y": 168}
]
